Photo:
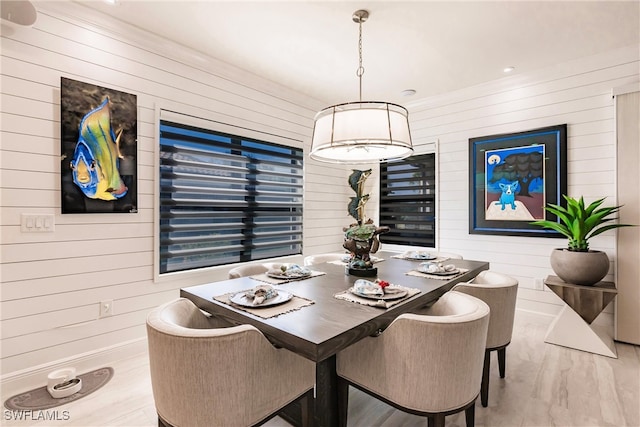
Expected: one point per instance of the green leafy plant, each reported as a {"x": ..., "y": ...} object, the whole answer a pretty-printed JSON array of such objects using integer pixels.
[{"x": 579, "y": 223}]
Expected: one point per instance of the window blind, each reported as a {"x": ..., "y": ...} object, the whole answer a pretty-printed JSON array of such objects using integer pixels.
[
  {"x": 408, "y": 201},
  {"x": 226, "y": 199}
]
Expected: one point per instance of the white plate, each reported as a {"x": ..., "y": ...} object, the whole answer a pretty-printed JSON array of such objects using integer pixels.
[
  {"x": 386, "y": 297},
  {"x": 288, "y": 276},
  {"x": 439, "y": 273},
  {"x": 421, "y": 257},
  {"x": 241, "y": 299}
]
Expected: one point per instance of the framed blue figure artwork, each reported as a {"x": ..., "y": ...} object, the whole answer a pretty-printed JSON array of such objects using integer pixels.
[
  {"x": 512, "y": 177},
  {"x": 99, "y": 149}
]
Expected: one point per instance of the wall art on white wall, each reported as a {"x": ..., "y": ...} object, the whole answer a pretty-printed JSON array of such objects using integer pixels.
[
  {"x": 99, "y": 149},
  {"x": 512, "y": 177}
]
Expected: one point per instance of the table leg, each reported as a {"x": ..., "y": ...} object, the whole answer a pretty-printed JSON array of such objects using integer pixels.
[{"x": 326, "y": 409}]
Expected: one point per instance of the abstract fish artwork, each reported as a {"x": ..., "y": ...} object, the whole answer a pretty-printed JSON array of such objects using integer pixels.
[
  {"x": 98, "y": 149},
  {"x": 96, "y": 157}
]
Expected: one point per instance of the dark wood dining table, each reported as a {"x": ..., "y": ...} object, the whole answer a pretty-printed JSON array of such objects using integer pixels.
[{"x": 319, "y": 331}]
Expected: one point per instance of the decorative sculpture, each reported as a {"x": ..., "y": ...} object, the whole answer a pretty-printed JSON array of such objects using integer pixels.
[{"x": 361, "y": 238}]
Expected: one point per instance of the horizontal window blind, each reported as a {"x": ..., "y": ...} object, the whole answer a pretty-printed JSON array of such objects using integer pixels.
[
  {"x": 226, "y": 199},
  {"x": 408, "y": 201}
]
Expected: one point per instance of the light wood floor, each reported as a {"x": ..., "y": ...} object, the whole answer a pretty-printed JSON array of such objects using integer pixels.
[{"x": 545, "y": 385}]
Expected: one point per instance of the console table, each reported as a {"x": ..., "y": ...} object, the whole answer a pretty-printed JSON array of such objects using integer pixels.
[{"x": 572, "y": 327}]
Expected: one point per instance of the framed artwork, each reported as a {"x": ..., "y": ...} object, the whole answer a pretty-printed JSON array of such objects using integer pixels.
[
  {"x": 98, "y": 141},
  {"x": 512, "y": 177}
]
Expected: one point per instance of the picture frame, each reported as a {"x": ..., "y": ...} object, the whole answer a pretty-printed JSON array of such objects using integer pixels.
[
  {"x": 512, "y": 177},
  {"x": 98, "y": 143}
]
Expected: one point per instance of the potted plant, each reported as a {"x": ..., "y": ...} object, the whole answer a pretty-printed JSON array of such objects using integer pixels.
[{"x": 577, "y": 263}]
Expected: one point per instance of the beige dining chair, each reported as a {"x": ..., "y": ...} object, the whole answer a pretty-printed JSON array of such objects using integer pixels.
[
  {"x": 248, "y": 270},
  {"x": 429, "y": 365},
  {"x": 449, "y": 255},
  {"x": 205, "y": 372},
  {"x": 320, "y": 258},
  {"x": 499, "y": 291}
]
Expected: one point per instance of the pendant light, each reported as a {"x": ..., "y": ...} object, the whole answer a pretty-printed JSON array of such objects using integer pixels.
[{"x": 362, "y": 131}]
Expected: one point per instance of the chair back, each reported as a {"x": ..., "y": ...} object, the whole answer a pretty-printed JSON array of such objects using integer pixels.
[
  {"x": 206, "y": 375},
  {"x": 499, "y": 291},
  {"x": 425, "y": 363},
  {"x": 247, "y": 270},
  {"x": 320, "y": 258},
  {"x": 449, "y": 255}
]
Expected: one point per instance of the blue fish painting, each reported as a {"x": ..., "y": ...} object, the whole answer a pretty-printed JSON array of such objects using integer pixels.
[{"x": 96, "y": 156}]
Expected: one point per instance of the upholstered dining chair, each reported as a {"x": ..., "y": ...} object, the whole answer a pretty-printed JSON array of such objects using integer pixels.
[
  {"x": 429, "y": 365},
  {"x": 205, "y": 372},
  {"x": 449, "y": 255},
  {"x": 499, "y": 291},
  {"x": 320, "y": 258},
  {"x": 248, "y": 270}
]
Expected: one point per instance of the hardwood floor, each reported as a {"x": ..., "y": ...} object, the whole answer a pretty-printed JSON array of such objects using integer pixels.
[{"x": 545, "y": 385}]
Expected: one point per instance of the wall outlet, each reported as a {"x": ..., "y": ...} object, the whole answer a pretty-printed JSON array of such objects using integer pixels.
[
  {"x": 538, "y": 285},
  {"x": 106, "y": 308}
]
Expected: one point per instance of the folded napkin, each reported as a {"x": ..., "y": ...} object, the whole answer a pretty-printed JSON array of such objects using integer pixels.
[
  {"x": 432, "y": 267},
  {"x": 261, "y": 293},
  {"x": 418, "y": 255},
  {"x": 379, "y": 288},
  {"x": 293, "y": 270}
]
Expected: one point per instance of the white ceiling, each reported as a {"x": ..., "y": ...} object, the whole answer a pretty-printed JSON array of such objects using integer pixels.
[{"x": 432, "y": 47}]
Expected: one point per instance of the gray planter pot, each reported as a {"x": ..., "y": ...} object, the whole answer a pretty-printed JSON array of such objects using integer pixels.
[{"x": 580, "y": 268}]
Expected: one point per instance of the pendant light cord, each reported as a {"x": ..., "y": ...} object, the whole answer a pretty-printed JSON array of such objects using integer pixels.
[{"x": 360, "y": 70}]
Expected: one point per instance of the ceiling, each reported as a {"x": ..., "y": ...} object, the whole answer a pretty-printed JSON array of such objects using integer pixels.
[{"x": 428, "y": 46}]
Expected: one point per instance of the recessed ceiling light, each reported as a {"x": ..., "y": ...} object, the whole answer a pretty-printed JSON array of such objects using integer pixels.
[
  {"x": 113, "y": 2},
  {"x": 508, "y": 69},
  {"x": 408, "y": 92}
]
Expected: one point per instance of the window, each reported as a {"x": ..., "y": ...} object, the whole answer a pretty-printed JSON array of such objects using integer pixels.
[
  {"x": 226, "y": 199},
  {"x": 408, "y": 201}
]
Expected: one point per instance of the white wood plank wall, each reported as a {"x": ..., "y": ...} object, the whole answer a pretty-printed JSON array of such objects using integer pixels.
[
  {"x": 52, "y": 282},
  {"x": 577, "y": 93}
]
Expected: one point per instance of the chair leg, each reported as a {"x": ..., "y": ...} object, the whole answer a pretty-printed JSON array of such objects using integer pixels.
[
  {"x": 436, "y": 420},
  {"x": 307, "y": 406},
  {"x": 343, "y": 401},
  {"x": 484, "y": 387},
  {"x": 502, "y": 361},
  {"x": 470, "y": 414}
]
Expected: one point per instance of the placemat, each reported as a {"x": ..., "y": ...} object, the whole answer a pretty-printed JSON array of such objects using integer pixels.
[
  {"x": 435, "y": 276},
  {"x": 348, "y": 296},
  {"x": 273, "y": 281},
  {"x": 437, "y": 259},
  {"x": 295, "y": 303}
]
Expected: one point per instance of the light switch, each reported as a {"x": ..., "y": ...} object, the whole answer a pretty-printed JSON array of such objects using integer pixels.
[{"x": 37, "y": 223}]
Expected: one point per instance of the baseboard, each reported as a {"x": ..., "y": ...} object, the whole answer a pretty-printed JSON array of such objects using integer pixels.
[{"x": 27, "y": 379}]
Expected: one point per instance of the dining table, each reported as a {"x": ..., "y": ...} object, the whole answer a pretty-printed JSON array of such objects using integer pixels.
[{"x": 323, "y": 321}]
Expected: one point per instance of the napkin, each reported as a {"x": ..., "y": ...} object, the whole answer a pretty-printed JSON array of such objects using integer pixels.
[
  {"x": 366, "y": 287},
  {"x": 432, "y": 267},
  {"x": 261, "y": 293},
  {"x": 293, "y": 270}
]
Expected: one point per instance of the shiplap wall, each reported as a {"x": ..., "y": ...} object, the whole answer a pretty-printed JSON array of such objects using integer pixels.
[
  {"x": 578, "y": 93},
  {"x": 51, "y": 283}
]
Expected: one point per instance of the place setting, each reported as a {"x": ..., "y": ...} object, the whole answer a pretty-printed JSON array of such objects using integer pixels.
[
  {"x": 436, "y": 270},
  {"x": 264, "y": 301},
  {"x": 376, "y": 293},
  {"x": 420, "y": 256},
  {"x": 286, "y": 273}
]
